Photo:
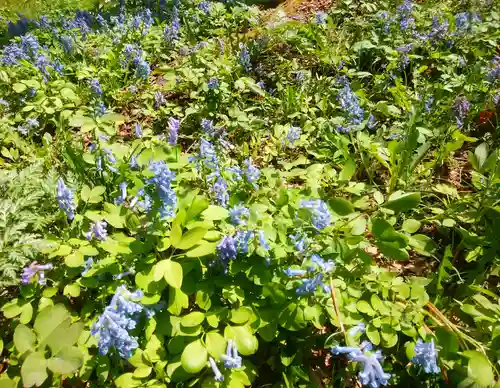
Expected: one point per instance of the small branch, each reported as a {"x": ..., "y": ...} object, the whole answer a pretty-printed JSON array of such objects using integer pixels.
[{"x": 336, "y": 307}]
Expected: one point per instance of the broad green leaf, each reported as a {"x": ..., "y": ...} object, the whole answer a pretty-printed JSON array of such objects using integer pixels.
[
  {"x": 204, "y": 249},
  {"x": 26, "y": 314},
  {"x": 246, "y": 343},
  {"x": 175, "y": 234},
  {"x": 481, "y": 153},
  {"x": 72, "y": 290},
  {"x": 364, "y": 307},
  {"x": 411, "y": 226},
  {"x": 216, "y": 344},
  {"x": 173, "y": 273},
  {"x": 341, "y": 206},
  {"x": 177, "y": 300},
  {"x": 403, "y": 202},
  {"x": 193, "y": 319},
  {"x": 85, "y": 193},
  {"x": 373, "y": 334},
  {"x": 389, "y": 336},
  {"x": 34, "y": 370},
  {"x": 102, "y": 368},
  {"x": 191, "y": 238},
  {"x": 422, "y": 244},
  {"x": 68, "y": 94},
  {"x": 378, "y": 305},
  {"x": 348, "y": 171},
  {"x": 292, "y": 317},
  {"x": 142, "y": 372},
  {"x": 215, "y": 213},
  {"x": 12, "y": 309},
  {"x": 96, "y": 194},
  {"x": 479, "y": 368},
  {"x": 19, "y": 88},
  {"x": 24, "y": 339},
  {"x": 66, "y": 361},
  {"x": 114, "y": 219},
  {"x": 199, "y": 205},
  {"x": 203, "y": 300},
  {"x": 392, "y": 250},
  {"x": 127, "y": 380},
  {"x": 194, "y": 357},
  {"x": 241, "y": 315},
  {"x": 75, "y": 259}
]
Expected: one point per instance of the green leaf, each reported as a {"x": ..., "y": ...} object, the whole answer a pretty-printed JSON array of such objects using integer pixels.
[
  {"x": 66, "y": 361},
  {"x": 191, "y": 238},
  {"x": 96, "y": 194},
  {"x": 204, "y": 249},
  {"x": 203, "y": 300},
  {"x": 102, "y": 368},
  {"x": 143, "y": 371},
  {"x": 241, "y": 315},
  {"x": 392, "y": 250},
  {"x": 175, "y": 234},
  {"x": 411, "y": 226},
  {"x": 193, "y": 319},
  {"x": 364, "y": 307},
  {"x": 26, "y": 314},
  {"x": 348, "y": 171},
  {"x": 177, "y": 300},
  {"x": 215, "y": 213},
  {"x": 216, "y": 344},
  {"x": 12, "y": 309},
  {"x": 373, "y": 334},
  {"x": 245, "y": 341},
  {"x": 19, "y": 88},
  {"x": 194, "y": 357},
  {"x": 72, "y": 290},
  {"x": 74, "y": 260},
  {"x": 172, "y": 272},
  {"x": 404, "y": 202},
  {"x": 24, "y": 339},
  {"x": 199, "y": 205},
  {"x": 127, "y": 380},
  {"x": 114, "y": 219},
  {"x": 341, "y": 206},
  {"x": 389, "y": 336},
  {"x": 34, "y": 370},
  {"x": 292, "y": 317},
  {"x": 378, "y": 305},
  {"x": 479, "y": 368},
  {"x": 68, "y": 94},
  {"x": 481, "y": 153}
]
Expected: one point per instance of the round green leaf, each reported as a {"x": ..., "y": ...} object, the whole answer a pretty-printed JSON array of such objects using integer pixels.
[
  {"x": 373, "y": 334},
  {"x": 66, "y": 361},
  {"x": 411, "y": 226},
  {"x": 364, "y": 307},
  {"x": 341, "y": 206},
  {"x": 241, "y": 315},
  {"x": 34, "y": 370},
  {"x": 142, "y": 372},
  {"x": 193, "y": 319},
  {"x": 216, "y": 344},
  {"x": 72, "y": 290},
  {"x": 173, "y": 274},
  {"x": 194, "y": 357},
  {"x": 389, "y": 336},
  {"x": 26, "y": 314},
  {"x": 24, "y": 339},
  {"x": 244, "y": 340},
  {"x": 191, "y": 238},
  {"x": 74, "y": 259}
]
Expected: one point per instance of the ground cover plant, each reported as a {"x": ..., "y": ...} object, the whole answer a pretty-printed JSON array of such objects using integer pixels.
[{"x": 205, "y": 194}]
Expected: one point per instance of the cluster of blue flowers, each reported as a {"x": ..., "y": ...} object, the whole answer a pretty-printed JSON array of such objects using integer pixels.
[
  {"x": 117, "y": 320},
  {"x": 494, "y": 72},
  {"x": 231, "y": 361},
  {"x": 349, "y": 102},
  {"x": 245, "y": 58},
  {"x": 172, "y": 31},
  {"x": 33, "y": 270},
  {"x": 109, "y": 161},
  {"x": 173, "y": 130},
  {"x": 318, "y": 268},
  {"x": 293, "y": 135},
  {"x": 239, "y": 214},
  {"x": 162, "y": 180},
  {"x": 320, "y": 215},
  {"x": 30, "y": 124},
  {"x": 122, "y": 195},
  {"x": 373, "y": 374},
  {"x": 65, "y": 199},
  {"x": 426, "y": 356},
  {"x": 404, "y": 12},
  {"x": 95, "y": 88},
  {"x": 97, "y": 230},
  {"x": 465, "y": 20},
  {"x": 213, "y": 83}
]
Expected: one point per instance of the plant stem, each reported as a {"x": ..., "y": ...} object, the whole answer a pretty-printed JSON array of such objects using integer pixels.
[{"x": 336, "y": 307}]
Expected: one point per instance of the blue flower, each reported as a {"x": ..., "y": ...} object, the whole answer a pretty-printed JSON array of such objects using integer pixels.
[
  {"x": 100, "y": 109},
  {"x": 251, "y": 172},
  {"x": 321, "y": 17},
  {"x": 293, "y": 135},
  {"x": 142, "y": 70},
  {"x": 227, "y": 249},
  {"x": 33, "y": 270},
  {"x": 464, "y": 20},
  {"x": 12, "y": 53},
  {"x": 217, "y": 375},
  {"x": 319, "y": 211},
  {"x": 299, "y": 76},
  {"x": 32, "y": 123},
  {"x": 262, "y": 240},
  {"x": 299, "y": 242},
  {"x": 159, "y": 100},
  {"x": 371, "y": 123},
  {"x": 372, "y": 374},
  {"x": 426, "y": 356},
  {"x": 205, "y": 7},
  {"x": 243, "y": 238},
  {"x": 67, "y": 43},
  {"x": 123, "y": 194},
  {"x": 239, "y": 214},
  {"x": 308, "y": 286},
  {"x": 95, "y": 88},
  {"x": 114, "y": 324},
  {"x": 65, "y": 199},
  {"x": 213, "y": 83},
  {"x": 97, "y": 230},
  {"x": 494, "y": 72},
  {"x": 208, "y": 127},
  {"x": 461, "y": 108},
  {"x": 245, "y": 58},
  {"x": 294, "y": 272},
  {"x": 428, "y": 103},
  {"x": 349, "y": 102},
  {"x": 325, "y": 266},
  {"x": 171, "y": 32},
  {"x": 138, "y": 130},
  {"x": 231, "y": 358},
  {"x": 261, "y": 84},
  {"x": 173, "y": 128},
  {"x": 87, "y": 265},
  {"x": 219, "y": 188},
  {"x": 342, "y": 129},
  {"x": 30, "y": 45},
  {"x": 359, "y": 328},
  {"x": 162, "y": 180}
]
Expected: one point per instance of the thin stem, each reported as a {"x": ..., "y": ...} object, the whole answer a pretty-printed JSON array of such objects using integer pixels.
[{"x": 336, "y": 307}]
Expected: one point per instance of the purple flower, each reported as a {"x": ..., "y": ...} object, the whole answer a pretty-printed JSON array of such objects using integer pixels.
[
  {"x": 231, "y": 358},
  {"x": 291, "y": 272},
  {"x": 245, "y": 58},
  {"x": 205, "y": 7},
  {"x": 123, "y": 194},
  {"x": 320, "y": 215},
  {"x": 173, "y": 130},
  {"x": 97, "y": 230},
  {"x": 95, "y": 88},
  {"x": 461, "y": 108},
  {"x": 142, "y": 69},
  {"x": 321, "y": 17},
  {"x": 239, "y": 214},
  {"x": 138, "y": 130},
  {"x": 219, "y": 188},
  {"x": 243, "y": 238},
  {"x": 293, "y": 135},
  {"x": 65, "y": 199},
  {"x": 251, "y": 172},
  {"x": 426, "y": 355},
  {"x": 227, "y": 249},
  {"x": 35, "y": 269},
  {"x": 159, "y": 100},
  {"x": 349, "y": 102},
  {"x": 213, "y": 83},
  {"x": 217, "y": 375},
  {"x": 163, "y": 180}
]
